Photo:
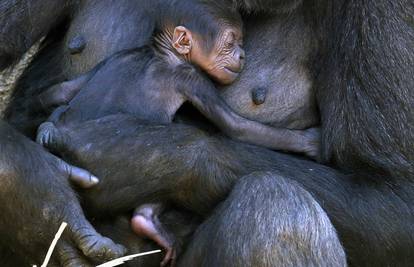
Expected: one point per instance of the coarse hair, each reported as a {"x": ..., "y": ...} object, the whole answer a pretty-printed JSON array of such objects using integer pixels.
[{"x": 203, "y": 17}]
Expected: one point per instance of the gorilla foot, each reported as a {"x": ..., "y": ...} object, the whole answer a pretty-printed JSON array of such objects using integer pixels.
[
  {"x": 50, "y": 137},
  {"x": 145, "y": 223}
]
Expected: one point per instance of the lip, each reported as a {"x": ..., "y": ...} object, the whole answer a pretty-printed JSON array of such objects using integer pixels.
[
  {"x": 231, "y": 76},
  {"x": 235, "y": 71}
]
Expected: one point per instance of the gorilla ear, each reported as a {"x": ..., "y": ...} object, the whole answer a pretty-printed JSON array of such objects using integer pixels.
[{"x": 182, "y": 40}]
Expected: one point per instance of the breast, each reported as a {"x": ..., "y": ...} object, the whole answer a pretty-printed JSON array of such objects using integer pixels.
[
  {"x": 88, "y": 42},
  {"x": 276, "y": 87}
]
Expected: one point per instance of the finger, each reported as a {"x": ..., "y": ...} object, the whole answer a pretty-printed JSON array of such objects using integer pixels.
[
  {"x": 69, "y": 256},
  {"x": 51, "y": 97},
  {"x": 169, "y": 258},
  {"x": 174, "y": 258},
  {"x": 79, "y": 176},
  {"x": 93, "y": 245}
]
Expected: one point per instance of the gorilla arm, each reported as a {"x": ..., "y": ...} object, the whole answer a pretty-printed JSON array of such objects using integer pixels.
[
  {"x": 203, "y": 95},
  {"x": 36, "y": 198}
]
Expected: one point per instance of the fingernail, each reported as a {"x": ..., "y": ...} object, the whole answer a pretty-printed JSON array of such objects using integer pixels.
[{"x": 94, "y": 180}]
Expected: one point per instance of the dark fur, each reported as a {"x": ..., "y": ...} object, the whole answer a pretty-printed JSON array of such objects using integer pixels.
[
  {"x": 286, "y": 40},
  {"x": 196, "y": 180},
  {"x": 358, "y": 88},
  {"x": 363, "y": 77},
  {"x": 267, "y": 6},
  {"x": 195, "y": 170},
  {"x": 35, "y": 222},
  {"x": 21, "y": 28},
  {"x": 364, "y": 80},
  {"x": 180, "y": 223},
  {"x": 44, "y": 70},
  {"x": 270, "y": 237}
]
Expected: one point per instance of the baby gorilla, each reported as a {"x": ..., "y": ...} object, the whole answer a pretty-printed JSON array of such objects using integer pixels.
[{"x": 153, "y": 81}]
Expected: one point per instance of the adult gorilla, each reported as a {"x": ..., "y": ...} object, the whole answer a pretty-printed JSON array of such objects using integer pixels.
[{"x": 362, "y": 70}]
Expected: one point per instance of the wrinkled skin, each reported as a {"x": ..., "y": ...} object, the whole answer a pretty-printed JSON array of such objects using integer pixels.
[
  {"x": 281, "y": 93},
  {"x": 152, "y": 93},
  {"x": 19, "y": 176},
  {"x": 225, "y": 61},
  {"x": 361, "y": 76}
]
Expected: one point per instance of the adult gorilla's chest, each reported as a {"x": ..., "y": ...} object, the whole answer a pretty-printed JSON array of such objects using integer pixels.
[
  {"x": 275, "y": 86},
  {"x": 91, "y": 39}
]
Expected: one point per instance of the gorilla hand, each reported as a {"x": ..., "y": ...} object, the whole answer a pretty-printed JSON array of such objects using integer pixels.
[
  {"x": 312, "y": 146},
  {"x": 77, "y": 175},
  {"x": 36, "y": 198}
]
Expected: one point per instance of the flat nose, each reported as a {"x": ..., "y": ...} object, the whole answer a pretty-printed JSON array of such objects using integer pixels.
[{"x": 242, "y": 54}]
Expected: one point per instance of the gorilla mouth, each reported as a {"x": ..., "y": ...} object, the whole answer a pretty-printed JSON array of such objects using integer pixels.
[{"x": 233, "y": 70}]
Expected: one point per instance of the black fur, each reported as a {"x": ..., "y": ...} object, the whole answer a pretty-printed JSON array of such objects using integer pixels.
[
  {"x": 362, "y": 70},
  {"x": 364, "y": 79},
  {"x": 180, "y": 223},
  {"x": 35, "y": 222},
  {"x": 357, "y": 87},
  {"x": 193, "y": 171},
  {"x": 269, "y": 241},
  {"x": 21, "y": 28},
  {"x": 267, "y": 6}
]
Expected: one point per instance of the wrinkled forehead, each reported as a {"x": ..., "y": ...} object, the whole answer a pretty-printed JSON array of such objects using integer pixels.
[
  {"x": 225, "y": 25},
  {"x": 230, "y": 31},
  {"x": 237, "y": 30}
]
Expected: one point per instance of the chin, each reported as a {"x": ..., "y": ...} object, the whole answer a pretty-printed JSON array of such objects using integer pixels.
[
  {"x": 225, "y": 79},
  {"x": 227, "y": 82}
]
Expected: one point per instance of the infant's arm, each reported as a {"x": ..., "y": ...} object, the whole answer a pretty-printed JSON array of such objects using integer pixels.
[
  {"x": 202, "y": 93},
  {"x": 62, "y": 93}
]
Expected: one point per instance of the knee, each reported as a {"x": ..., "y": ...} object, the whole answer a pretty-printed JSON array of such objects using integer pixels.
[
  {"x": 268, "y": 220},
  {"x": 7, "y": 179},
  {"x": 286, "y": 218}
]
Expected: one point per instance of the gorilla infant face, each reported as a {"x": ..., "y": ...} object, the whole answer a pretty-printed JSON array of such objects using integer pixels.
[
  {"x": 222, "y": 60},
  {"x": 225, "y": 60}
]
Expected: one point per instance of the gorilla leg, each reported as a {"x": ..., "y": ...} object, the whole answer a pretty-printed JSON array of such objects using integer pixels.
[
  {"x": 196, "y": 170},
  {"x": 267, "y": 220},
  {"x": 177, "y": 222},
  {"x": 146, "y": 223}
]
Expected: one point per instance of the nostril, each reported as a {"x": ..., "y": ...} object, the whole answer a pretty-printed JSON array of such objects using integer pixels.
[{"x": 242, "y": 56}]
